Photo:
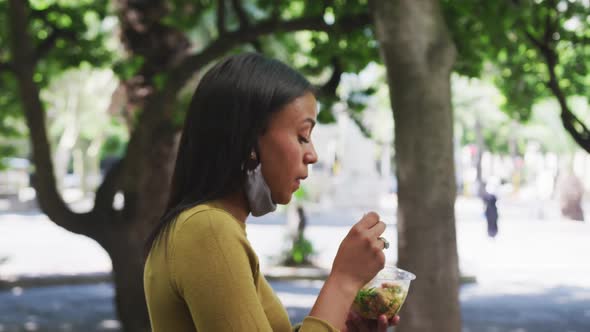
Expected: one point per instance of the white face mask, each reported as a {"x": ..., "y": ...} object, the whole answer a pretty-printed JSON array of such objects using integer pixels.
[{"x": 258, "y": 193}]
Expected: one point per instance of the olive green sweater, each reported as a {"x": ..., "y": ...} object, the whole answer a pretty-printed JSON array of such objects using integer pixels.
[{"x": 204, "y": 276}]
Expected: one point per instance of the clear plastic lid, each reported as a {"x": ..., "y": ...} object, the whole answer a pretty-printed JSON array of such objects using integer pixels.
[{"x": 394, "y": 273}]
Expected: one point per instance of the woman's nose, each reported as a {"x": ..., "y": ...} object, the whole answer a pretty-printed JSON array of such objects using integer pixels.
[{"x": 310, "y": 156}]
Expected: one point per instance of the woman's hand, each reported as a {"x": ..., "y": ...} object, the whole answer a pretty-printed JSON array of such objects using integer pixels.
[
  {"x": 360, "y": 255},
  {"x": 358, "y": 260},
  {"x": 355, "y": 323}
]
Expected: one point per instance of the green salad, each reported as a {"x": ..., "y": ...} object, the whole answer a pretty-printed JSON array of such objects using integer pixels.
[{"x": 371, "y": 302}]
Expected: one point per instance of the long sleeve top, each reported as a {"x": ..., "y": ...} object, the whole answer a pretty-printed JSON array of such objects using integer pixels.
[{"x": 203, "y": 275}]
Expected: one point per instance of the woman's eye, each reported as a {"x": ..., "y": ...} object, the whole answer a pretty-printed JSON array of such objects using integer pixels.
[{"x": 303, "y": 140}]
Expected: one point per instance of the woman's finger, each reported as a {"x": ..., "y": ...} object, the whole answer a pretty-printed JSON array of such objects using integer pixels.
[
  {"x": 382, "y": 323},
  {"x": 394, "y": 321},
  {"x": 378, "y": 229},
  {"x": 369, "y": 220}
]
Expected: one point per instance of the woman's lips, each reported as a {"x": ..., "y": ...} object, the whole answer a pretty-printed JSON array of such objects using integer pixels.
[{"x": 298, "y": 181}]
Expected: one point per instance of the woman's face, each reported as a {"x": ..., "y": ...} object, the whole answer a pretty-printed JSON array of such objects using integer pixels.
[{"x": 286, "y": 148}]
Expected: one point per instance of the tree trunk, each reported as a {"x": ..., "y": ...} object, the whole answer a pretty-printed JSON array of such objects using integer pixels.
[
  {"x": 125, "y": 249},
  {"x": 126, "y": 235},
  {"x": 419, "y": 55}
]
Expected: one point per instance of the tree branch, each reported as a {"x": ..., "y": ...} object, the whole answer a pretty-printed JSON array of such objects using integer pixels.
[
  {"x": 108, "y": 188},
  {"x": 221, "y": 17},
  {"x": 329, "y": 88},
  {"x": 225, "y": 43},
  {"x": 245, "y": 22},
  {"x": 536, "y": 42},
  {"x": 275, "y": 12},
  {"x": 47, "y": 45},
  {"x": 48, "y": 196},
  {"x": 42, "y": 13},
  {"x": 576, "y": 39},
  {"x": 326, "y": 4},
  {"x": 551, "y": 26},
  {"x": 6, "y": 67},
  {"x": 356, "y": 118},
  {"x": 241, "y": 13},
  {"x": 574, "y": 126}
]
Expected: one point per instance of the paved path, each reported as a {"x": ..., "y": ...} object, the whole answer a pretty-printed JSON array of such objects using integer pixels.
[
  {"x": 534, "y": 277},
  {"x": 88, "y": 308}
]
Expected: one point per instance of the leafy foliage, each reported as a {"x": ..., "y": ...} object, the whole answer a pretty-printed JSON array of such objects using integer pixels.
[
  {"x": 521, "y": 39},
  {"x": 66, "y": 34}
]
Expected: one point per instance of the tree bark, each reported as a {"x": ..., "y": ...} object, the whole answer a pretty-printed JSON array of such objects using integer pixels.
[
  {"x": 125, "y": 248},
  {"x": 23, "y": 67},
  {"x": 419, "y": 54}
]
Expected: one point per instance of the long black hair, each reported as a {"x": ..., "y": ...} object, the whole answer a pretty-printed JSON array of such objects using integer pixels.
[{"x": 230, "y": 109}]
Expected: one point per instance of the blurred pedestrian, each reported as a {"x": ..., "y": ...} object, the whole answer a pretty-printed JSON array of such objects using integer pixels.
[
  {"x": 491, "y": 209},
  {"x": 491, "y": 213}
]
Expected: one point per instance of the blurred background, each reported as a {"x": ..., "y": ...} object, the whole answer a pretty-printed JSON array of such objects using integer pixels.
[{"x": 462, "y": 123}]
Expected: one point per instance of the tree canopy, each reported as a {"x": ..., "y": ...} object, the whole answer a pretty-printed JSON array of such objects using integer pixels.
[{"x": 538, "y": 49}]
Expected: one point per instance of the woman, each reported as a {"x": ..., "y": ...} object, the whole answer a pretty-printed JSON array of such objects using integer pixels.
[{"x": 245, "y": 147}]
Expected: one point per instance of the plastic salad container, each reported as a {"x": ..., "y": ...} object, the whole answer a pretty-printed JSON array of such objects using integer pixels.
[{"x": 384, "y": 295}]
